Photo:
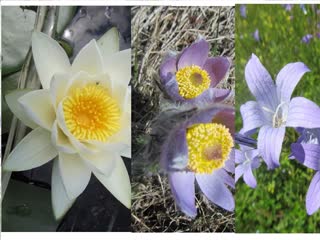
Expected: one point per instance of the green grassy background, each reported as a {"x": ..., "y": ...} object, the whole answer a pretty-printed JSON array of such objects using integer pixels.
[{"x": 278, "y": 202}]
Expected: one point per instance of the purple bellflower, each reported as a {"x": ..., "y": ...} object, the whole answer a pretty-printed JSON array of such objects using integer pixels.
[
  {"x": 191, "y": 76},
  {"x": 307, "y": 152},
  {"x": 247, "y": 160},
  {"x": 307, "y": 38},
  {"x": 200, "y": 149},
  {"x": 256, "y": 35},
  {"x": 274, "y": 110},
  {"x": 243, "y": 11}
]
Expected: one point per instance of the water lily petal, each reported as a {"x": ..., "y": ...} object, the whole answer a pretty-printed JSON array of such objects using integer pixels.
[
  {"x": 288, "y": 78},
  {"x": 196, "y": 54},
  {"x": 16, "y": 108},
  {"x": 58, "y": 88},
  {"x": 49, "y": 58},
  {"x": 269, "y": 145},
  {"x": 252, "y": 116},
  {"x": 75, "y": 174},
  {"x": 215, "y": 190},
  {"x": 183, "y": 190},
  {"x": 303, "y": 113},
  {"x": 102, "y": 162},
  {"x": 118, "y": 183},
  {"x": 109, "y": 43},
  {"x": 89, "y": 59},
  {"x": 168, "y": 68},
  {"x": 118, "y": 66},
  {"x": 313, "y": 195},
  {"x": 38, "y": 107},
  {"x": 307, "y": 154},
  {"x": 217, "y": 68},
  {"x": 61, "y": 202},
  {"x": 61, "y": 140},
  {"x": 260, "y": 83},
  {"x": 34, "y": 150}
]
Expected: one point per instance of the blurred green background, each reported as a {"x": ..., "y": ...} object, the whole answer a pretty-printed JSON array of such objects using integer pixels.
[{"x": 278, "y": 202}]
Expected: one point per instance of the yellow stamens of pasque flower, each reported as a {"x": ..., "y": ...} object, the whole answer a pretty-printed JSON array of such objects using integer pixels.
[
  {"x": 192, "y": 81},
  {"x": 91, "y": 114},
  {"x": 209, "y": 146}
]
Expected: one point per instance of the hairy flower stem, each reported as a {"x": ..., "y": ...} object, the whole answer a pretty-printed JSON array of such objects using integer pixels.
[{"x": 46, "y": 21}]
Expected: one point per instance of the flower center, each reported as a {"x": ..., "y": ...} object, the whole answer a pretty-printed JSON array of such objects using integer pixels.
[
  {"x": 280, "y": 115},
  {"x": 192, "y": 81},
  {"x": 209, "y": 146},
  {"x": 91, "y": 114}
]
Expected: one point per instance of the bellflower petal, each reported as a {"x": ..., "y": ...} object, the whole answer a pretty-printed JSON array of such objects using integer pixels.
[
  {"x": 303, "y": 113},
  {"x": 307, "y": 154},
  {"x": 196, "y": 54},
  {"x": 183, "y": 190},
  {"x": 249, "y": 178},
  {"x": 217, "y": 68},
  {"x": 260, "y": 83},
  {"x": 313, "y": 195},
  {"x": 215, "y": 190},
  {"x": 270, "y": 144},
  {"x": 34, "y": 150},
  {"x": 57, "y": 62},
  {"x": 252, "y": 116},
  {"x": 288, "y": 78}
]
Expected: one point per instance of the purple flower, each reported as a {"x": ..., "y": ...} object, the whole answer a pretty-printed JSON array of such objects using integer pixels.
[
  {"x": 274, "y": 110},
  {"x": 303, "y": 8},
  {"x": 191, "y": 76},
  {"x": 256, "y": 35},
  {"x": 200, "y": 150},
  {"x": 307, "y": 152},
  {"x": 243, "y": 11},
  {"x": 288, "y": 7},
  {"x": 247, "y": 160},
  {"x": 306, "y": 38}
]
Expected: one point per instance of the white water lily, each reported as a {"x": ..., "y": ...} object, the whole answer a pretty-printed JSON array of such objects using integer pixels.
[{"x": 81, "y": 119}]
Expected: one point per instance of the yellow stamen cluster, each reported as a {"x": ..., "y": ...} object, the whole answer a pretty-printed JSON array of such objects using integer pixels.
[
  {"x": 192, "y": 81},
  {"x": 209, "y": 146},
  {"x": 91, "y": 114}
]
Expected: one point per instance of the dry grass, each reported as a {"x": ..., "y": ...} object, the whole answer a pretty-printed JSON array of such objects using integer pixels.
[{"x": 155, "y": 31}]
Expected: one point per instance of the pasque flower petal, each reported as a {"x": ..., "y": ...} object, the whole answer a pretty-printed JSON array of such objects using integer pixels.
[
  {"x": 75, "y": 174},
  {"x": 183, "y": 190},
  {"x": 49, "y": 58},
  {"x": 17, "y": 109},
  {"x": 61, "y": 202},
  {"x": 38, "y": 107},
  {"x": 34, "y": 150},
  {"x": 168, "y": 68},
  {"x": 89, "y": 60},
  {"x": 303, "y": 113},
  {"x": 270, "y": 144},
  {"x": 217, "y": 68},
  {"x": 118, "y": 183},
  {"x": 307, "y": 154},
  {"x": 195, "y": 54},
  {"x": 288, "y": 78},
  {"x": 215, "y": 190},
  {"x": 260, "y": 83},
  {"x": 313, "y": 195}
]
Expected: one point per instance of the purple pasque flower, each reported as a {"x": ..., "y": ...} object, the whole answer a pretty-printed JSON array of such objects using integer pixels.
[
  {"x": 200, "y": 150},
  {"x": 274, "y": 110},
  {"x": 247, "y": 159},
  {"x": 307, "y": 38},
  {"x": 243, "y": 10},
  {"x": 256, "y": 35},
  {"x": 191, "y": 76},
  {"x": 307, "y": 152}
]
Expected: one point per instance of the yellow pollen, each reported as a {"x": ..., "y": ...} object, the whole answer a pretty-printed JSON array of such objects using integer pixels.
[
  {"x": 192, "y": 81},
  {"x": 91, "y": 114},
  {"x": 209, "y": 146}
]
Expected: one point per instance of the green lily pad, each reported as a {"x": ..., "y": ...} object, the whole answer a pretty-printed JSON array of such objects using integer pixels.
[{"x": 27, "y": 208}]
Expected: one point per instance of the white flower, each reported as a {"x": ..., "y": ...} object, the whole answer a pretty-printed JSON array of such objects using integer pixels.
[{"x": 81, "y": 118}]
